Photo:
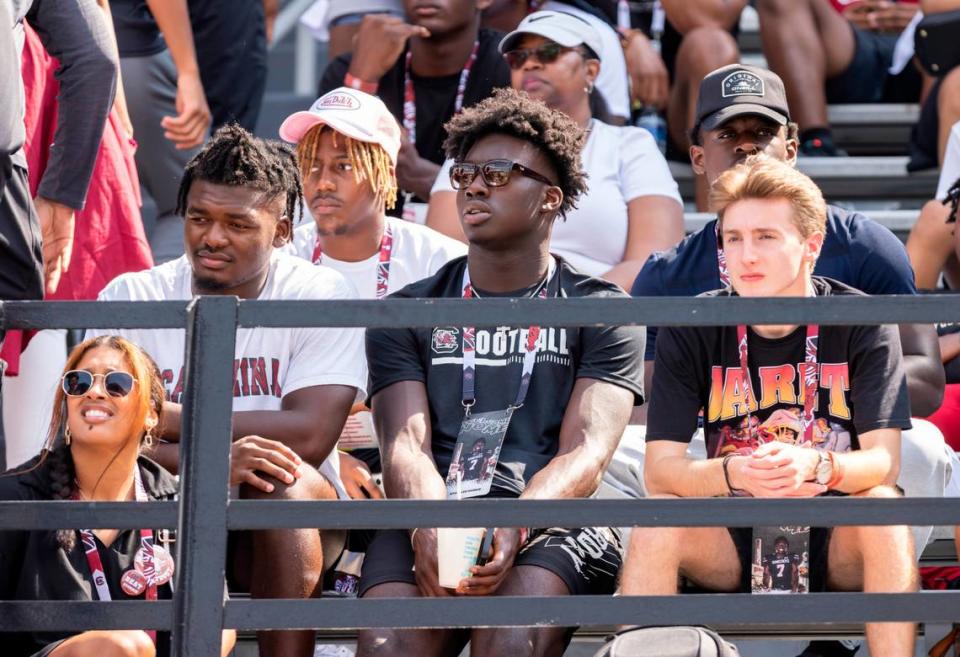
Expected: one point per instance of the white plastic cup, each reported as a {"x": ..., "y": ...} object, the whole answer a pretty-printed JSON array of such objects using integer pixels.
[{"x": 457, "y": 550}]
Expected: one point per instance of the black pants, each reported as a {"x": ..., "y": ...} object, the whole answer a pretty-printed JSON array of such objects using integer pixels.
[
  {"x": 21, "y": 260},
  {"x": 231, "y": 42}
]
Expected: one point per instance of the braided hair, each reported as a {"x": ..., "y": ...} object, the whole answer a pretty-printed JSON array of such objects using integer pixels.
[
  {"x": 953, "y": 200},
  {"x": 370, "y": 162},
  {"x": 235, "y": 157}
]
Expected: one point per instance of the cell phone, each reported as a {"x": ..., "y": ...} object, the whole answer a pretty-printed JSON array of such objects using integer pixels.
[{"x": 486, "y": 547}]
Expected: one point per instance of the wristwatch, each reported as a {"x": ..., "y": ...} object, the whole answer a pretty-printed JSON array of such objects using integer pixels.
[{"x": 823, "y": 473}]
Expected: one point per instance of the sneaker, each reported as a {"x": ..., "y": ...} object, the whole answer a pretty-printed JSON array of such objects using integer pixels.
[
  {"x": 817, "y": 147},
  {"x": 831, "y": 649}
]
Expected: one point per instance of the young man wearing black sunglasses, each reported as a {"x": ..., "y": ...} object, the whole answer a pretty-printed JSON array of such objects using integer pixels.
[{"x": 557, "y": 399}]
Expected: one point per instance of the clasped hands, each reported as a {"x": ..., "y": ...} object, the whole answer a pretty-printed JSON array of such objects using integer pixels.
[{"x": 777, "y": 469}]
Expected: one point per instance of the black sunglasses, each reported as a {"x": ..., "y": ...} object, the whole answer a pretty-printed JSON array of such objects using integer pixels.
[
  {"x": 496, "y": 173},
  {"x": 76, "y": 383},
  {"x": 545, "y": 54}
]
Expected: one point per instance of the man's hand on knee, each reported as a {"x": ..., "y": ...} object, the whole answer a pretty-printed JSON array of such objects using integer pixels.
[{"x": 252, "y": 458}]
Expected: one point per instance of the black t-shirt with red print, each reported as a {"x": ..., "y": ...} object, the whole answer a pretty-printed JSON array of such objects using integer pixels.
[
  {"x": 435, "y": 357},
  {"x": 861, "y": 384}
]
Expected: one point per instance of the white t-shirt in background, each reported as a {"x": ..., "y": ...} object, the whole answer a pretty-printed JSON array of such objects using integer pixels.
[
  {"x": 623, "y": 163},
  {"x": 417, "y": 253},
  {"x": 950, "y": 171},
  {"x": 270, "y": 362}
]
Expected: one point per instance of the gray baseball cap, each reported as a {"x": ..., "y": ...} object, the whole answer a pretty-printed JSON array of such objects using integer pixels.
[
  {"x": 558, "y": 26},
  {"x": 740, "y": 90}
]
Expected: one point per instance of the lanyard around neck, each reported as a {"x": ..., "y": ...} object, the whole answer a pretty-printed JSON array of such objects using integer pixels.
[
  {"x": 383, "y": 264},
  {"x": 469, "y": 347},
  {"x": 721, "y": 258},
  {"x": 410, "y": 99},
  {"x": 809, "y": 378},
  {"x": 146, "y": 544}
]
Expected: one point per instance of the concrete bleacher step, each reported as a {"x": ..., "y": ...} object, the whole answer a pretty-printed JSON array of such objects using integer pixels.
[{"x": 850, "y": 179}]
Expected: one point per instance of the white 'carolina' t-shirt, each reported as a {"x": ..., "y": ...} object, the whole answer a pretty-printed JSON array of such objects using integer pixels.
[
  {"x": 417, "y": 253},
  {"x": 270, "y": 362},
  {"x": 623, "y": 163}
]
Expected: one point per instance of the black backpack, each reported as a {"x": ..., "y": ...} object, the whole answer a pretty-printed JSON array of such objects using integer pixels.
[{"x": 683, "y": 641}]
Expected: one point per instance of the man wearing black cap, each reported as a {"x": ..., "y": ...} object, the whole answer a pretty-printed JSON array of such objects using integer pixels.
[{"x": 742, "y": 110}]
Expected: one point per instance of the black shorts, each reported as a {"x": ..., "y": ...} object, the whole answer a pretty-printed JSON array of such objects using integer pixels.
[
  {"x": 587, "y": 559},
  {"x": 819, "y": 548},
  {"x": 867, "y": 79}
]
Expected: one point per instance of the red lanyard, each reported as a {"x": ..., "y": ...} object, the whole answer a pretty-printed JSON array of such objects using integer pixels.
[
  {"x": 721, "y": 258},
  {"x": 383, "y": 265},
  {"x": 146, "y": 548},
  {"x": 470, "y": 347},
  {"x": 810, "y": 378},
  {"x": 410, "y": 99}
]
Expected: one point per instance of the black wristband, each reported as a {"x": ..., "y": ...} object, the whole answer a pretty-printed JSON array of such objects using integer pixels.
[{"x": 726, "y": 476}]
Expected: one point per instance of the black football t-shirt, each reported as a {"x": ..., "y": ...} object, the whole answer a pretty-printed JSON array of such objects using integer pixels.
[
  {"x": 861, "y": 385},
  {"x": 435, "y": 357}
]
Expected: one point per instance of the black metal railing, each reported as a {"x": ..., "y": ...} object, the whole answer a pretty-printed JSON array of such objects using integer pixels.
[{"x": 204, "y": 513}]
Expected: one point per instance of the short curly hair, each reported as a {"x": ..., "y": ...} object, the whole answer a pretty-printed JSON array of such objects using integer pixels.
[{"x": 514, "y": 113}]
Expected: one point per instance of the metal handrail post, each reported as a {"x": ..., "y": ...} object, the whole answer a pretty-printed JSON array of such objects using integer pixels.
[{"x": 204, "y": 477}]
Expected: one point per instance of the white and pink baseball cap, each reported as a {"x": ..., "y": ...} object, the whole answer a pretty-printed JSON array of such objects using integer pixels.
[{"x": 356, "y": 114}]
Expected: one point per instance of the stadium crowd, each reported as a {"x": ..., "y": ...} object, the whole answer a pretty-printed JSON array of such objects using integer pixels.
[{"x": 472, "y": 149}]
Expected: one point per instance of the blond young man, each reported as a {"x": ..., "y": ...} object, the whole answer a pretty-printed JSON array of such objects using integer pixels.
[{"x": 762, "y": 439}]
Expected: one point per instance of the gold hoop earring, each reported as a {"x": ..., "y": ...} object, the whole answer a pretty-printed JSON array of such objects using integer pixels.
[{"x": 67, "y": 438}]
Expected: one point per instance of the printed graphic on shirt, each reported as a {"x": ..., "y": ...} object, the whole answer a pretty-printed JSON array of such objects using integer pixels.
[
  {"x": 777, "y": 414},
  {"x": 252, "y": 377},
  {"x": 501, "y": 346}
]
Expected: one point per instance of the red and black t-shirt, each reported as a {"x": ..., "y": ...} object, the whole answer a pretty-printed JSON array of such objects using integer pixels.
[{"x": 861, "y": 382}]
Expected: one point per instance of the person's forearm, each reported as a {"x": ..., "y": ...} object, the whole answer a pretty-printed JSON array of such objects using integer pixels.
[
  {"x": 866, "y": 468},
  {"x": 684, "y": 477},
  {"x": 294, "y": 428},
  {"x": 411, "y": 474},
  {"x": 574, "y": 474},
  {"x": 420, "y": 180},
  {"x": 167, "y": 455},
  {"x": 75, "y": 33},
  {"x": 173, "y": 19}
]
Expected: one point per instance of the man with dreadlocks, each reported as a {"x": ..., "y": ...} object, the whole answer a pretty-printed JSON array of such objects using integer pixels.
[
  {"x": 347, "y": 145},
  {"x": 555, "y": 400},
  {"x": 293, "y": 387}
]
